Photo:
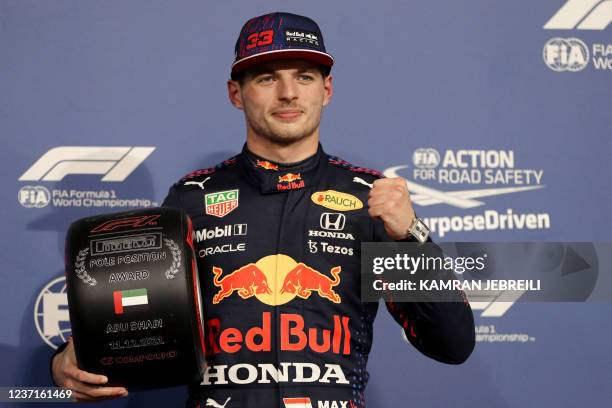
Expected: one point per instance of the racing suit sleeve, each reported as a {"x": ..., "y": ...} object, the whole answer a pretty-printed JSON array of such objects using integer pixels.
[
  {"x": 443, "y": 331},
  {"x": 172, "y": 199}
]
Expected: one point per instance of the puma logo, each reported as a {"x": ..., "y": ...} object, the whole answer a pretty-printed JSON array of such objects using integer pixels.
[
  {"x": 361, "y": 181},
  {"x": 197, "y": 183},
  {"x": 212, "y": 403}
]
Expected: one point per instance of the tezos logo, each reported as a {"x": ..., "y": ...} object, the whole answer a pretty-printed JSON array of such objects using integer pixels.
[
  {"x": 51, "y": 313},
  {"x": 570, "y": 54}
]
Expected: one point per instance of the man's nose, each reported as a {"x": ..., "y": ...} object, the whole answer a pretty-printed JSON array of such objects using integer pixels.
[{"x": 287, "y": 89}]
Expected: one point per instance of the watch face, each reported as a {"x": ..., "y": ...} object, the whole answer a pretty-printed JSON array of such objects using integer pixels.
[{"x": 420, "y": 230}]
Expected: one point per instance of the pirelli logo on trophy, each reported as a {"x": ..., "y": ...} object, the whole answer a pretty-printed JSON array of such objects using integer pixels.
[
  {"x": 133, "y": 296},
  {"x": 124, "y": 244}
]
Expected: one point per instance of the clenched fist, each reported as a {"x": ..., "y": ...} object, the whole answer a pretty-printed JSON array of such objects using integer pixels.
[{"x": 389, "y": 200}]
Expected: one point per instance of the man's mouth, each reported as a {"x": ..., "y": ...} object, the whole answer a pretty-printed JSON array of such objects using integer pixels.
[{"x": 287, "y": 114}]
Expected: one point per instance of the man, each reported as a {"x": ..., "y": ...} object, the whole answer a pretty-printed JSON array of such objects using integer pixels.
[{"x": 285, "y": 326}]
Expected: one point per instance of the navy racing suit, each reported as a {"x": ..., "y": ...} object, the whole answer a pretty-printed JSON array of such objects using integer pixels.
[{"x": 278, "y": 252}]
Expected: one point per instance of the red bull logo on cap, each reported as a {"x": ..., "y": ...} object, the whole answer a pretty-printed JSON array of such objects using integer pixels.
[{"x": 276, "y": 280}]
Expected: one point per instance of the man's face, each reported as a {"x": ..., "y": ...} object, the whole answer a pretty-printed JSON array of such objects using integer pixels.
[{"x": 282, "y": 100}]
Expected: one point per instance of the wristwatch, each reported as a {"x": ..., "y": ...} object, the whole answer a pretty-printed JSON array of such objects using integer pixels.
[{"x": 419, "y": 230}]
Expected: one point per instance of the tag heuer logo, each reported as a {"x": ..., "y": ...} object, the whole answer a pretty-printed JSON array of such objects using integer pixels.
[{"x": 222, "y": 203}]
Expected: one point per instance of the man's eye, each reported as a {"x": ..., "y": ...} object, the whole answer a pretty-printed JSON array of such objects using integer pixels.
[
  {"x": 264, "y": 78},
  {"x": 306, "y": 77}
]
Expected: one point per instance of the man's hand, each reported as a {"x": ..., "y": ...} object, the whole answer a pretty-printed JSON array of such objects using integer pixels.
[
  {"x": 389, "y": 200},
  {"x": 86, "y": 386}
]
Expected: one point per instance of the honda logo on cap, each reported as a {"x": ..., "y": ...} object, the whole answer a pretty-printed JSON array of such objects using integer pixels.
[{"x": 332, "y": 221}]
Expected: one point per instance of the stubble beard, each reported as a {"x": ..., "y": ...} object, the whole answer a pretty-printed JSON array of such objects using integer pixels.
[{"x": 280, "y": 134}]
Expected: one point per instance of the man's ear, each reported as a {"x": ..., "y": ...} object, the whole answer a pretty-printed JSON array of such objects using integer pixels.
[
  {"x": 234, "y": 93},
  {"x": 329, "y": 89}
]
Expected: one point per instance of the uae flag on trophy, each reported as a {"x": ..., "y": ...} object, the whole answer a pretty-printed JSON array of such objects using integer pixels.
[{"x": 133, "y": 299}]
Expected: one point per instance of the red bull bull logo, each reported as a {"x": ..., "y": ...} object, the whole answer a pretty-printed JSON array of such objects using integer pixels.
[
  {"x": 276, "y": 280},
  {"x": 247, "y": 281},
  {"x": 290, "y": 181},
  {"x": 303, "y": 280},
  {"x": 289, "y": 177},
  {"x": 266, "y": 165}
]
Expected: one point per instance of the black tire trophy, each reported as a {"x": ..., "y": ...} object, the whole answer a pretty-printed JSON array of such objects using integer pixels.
[{"x": 134, "y": 298}]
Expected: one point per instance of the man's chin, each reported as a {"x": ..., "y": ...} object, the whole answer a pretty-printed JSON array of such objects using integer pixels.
[
  {"x": 288, "y": 134},
  {"x": 286, "y": 139}
]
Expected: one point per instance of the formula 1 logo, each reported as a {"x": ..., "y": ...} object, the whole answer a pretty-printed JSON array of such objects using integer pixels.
[
  {"x": 115, "y": 163},
  {"x": 494, "y": 305},
  {"x": 129, "y": 222},
  {"x": 260, "y": 280},
  {"x": 582, "y": 15}
]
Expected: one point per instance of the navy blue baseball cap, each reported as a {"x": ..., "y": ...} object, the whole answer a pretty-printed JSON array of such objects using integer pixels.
[{"x": 277, "y": 36}]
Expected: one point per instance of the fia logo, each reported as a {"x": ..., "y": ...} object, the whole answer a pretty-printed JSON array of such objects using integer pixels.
[
  {"x": 34, "y": 196},
  {"x": 566, "y": 54}
]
